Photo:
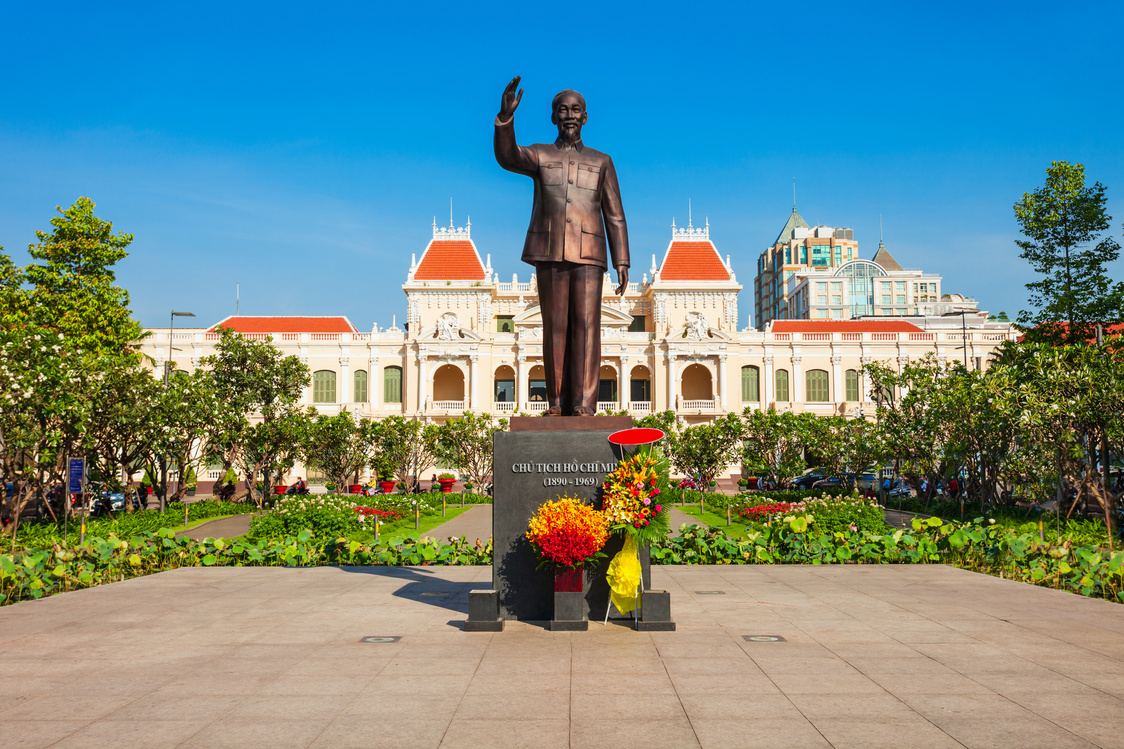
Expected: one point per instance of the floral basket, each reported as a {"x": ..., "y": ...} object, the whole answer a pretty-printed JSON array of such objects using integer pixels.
[
  {"x": 566, "y": 534},
  {"x": 631, "y": 498},
  {"x": 632, "y": 505}
]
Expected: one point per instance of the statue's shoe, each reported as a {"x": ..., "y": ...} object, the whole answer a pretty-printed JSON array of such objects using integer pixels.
[{"x": 584, "y": 411}]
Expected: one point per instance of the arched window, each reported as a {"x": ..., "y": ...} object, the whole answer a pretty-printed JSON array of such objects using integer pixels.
[
  {"x": 324, "y": 386},
  {"x": 818, "y": 389},
  {"x": 851, "y": 378},
  {"x": 392, "y": 385},
  {"x": 782, "y": 385},
  {"x": 750, "y": 390},
  {"x": 360, "y": 386}
]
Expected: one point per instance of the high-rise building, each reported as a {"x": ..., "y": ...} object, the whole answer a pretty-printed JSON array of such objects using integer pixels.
[
  {"x": 815, "y": 273},
  {"x": 798, "y": 247}
]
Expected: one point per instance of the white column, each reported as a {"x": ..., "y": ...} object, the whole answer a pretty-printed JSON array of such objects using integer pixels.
[
  {"x": 423, "y": 380},
  {"x": 722, "y": 382},
  {"x": 521, "y": 386},
  {"x": 672, "y": 382},
  {"x": 623, "y": 392},
  {"x": 374, "y": 384},
  {"x": 864, "y": 391},
  {"x": 473, "y": 387},
  {"x": 796, "y": 387},
  {"x": 837, "y": 395},
  {"x": 346, "y": 394},
  {"x": 306, "y": 395},
  {"x": 770, "y": 381}
]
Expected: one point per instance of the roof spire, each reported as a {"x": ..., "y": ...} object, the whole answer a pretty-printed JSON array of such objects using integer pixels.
[
  {"x": 794, "y": 194},
  {"x": 880, "y": 230},
  {"x": 450, "y": 213},
  {"x": 689, "y": 224}
]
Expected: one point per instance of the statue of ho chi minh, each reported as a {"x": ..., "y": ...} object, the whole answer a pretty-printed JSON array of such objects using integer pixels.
[{"x": 577, "y": 224}]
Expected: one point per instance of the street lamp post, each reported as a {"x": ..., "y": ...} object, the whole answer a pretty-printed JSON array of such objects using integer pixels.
[
  {"x": 167, "y": 376},
  {"x": 963, "y": 332}
]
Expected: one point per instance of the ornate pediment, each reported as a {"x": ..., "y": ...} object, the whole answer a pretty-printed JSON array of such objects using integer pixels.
[{"x": 610, "y": 317}]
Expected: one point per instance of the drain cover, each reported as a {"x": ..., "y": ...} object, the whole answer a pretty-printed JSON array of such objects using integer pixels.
[
  {"x": 381, "y": 638},
  {"x": 710, "y": 592},
  {"x": 763, "y": 638},
  {"x": 435, "y": 593}
]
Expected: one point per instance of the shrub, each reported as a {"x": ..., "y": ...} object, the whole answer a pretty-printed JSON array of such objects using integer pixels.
[
  {"x": 122, "y": 524},
  {"x": 41, "y": 572}
]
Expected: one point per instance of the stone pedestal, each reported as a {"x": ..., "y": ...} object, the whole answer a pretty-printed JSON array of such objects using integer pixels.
[
  {"x": 483, "y": 612},
  {"x": 540, "y": 459}
]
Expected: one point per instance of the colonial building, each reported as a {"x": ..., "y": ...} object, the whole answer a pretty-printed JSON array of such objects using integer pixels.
[{"x": 473, "y": 342}]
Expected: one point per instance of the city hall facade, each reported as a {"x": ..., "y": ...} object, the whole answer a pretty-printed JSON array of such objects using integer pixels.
[{"x": 471, "y": 342}]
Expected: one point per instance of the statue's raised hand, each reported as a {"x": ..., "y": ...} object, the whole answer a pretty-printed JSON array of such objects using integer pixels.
[{"x": 510, "y": 99}]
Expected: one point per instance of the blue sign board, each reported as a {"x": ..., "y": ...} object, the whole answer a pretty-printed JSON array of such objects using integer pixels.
[{"x": 77, "y": 471}]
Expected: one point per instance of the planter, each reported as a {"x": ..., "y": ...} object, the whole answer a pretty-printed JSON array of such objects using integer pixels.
[
  {"x": 568, "y": 579},
  {"x": 355, "y": 489},
  {"x": 386, "y": 486},
  {"x": 446, "y": 485},
  {"x": 191, "y": 492},
  {"x": 569, "y": 602},
  {"x": 280, "y": 489}
]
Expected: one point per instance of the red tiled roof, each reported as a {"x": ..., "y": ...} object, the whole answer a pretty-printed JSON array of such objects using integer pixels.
[
  {"x": 693, "y": 261},
  {"x": 287, "y": 325},
  {"x": 450, "y": 260},
  {"x": 844, "y": 326}
]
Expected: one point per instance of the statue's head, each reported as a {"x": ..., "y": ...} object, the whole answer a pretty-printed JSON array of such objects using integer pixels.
[{"x": 568, "y": 113}]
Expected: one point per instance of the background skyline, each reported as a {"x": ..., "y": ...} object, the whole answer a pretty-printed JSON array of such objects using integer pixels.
[{"x": 305, "y": 156}]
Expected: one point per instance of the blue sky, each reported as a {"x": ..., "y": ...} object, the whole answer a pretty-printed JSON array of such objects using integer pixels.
[{"x": 302, "y": 150}]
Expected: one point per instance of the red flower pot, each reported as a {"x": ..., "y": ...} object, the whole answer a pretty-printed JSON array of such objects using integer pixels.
[
  {"x": 386, "y": 486},
  {"x": 568, "y": 579},
  {"x": 446, "y": 485}
]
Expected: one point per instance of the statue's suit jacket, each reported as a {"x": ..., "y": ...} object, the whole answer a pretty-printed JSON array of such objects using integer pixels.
[{"x": 577, "y": 207}]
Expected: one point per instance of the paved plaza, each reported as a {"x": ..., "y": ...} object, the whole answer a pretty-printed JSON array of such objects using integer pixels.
[{"x": 896, "y": 656}]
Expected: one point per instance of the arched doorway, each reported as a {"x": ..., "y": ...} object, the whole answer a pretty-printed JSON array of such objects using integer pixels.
[
  {"x": 448, "y": 384},
  {"x": 640, "y": 389},
  {"x": 536, "y": 384},
  {"x": 697, "y": 384},
  {"x": 503, "y": 390},
  {"x": 607, "y": 386}
]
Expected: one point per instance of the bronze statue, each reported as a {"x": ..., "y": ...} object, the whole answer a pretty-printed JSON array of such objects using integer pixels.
[{"x": 577, "y": 207}]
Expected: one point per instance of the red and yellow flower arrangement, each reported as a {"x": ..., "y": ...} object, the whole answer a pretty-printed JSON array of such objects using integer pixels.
[
  {"x": 568, "y": 533},
  {"x": 631, "y": 498}
]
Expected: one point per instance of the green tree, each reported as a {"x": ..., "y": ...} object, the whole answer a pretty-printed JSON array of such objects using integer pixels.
[
  {"x": 260, "y": 426},
  {"x": 124, "y": 427},
  {"x": 466, "y": 444},
  {"x": 707, "y": 449},
  {"x": 408, "y": 447},
  {"x": 772, "y": 443},
  {"x": 64, "y": 325},
  {"x": 186, "y": 409},
  {"x": 1060, "y": 222},
  {"x": 340, "y": 446},
  {"x": 72, "y": 284}
]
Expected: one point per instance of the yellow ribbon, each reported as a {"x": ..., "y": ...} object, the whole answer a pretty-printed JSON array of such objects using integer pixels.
[{"x": 624, "y": 576}]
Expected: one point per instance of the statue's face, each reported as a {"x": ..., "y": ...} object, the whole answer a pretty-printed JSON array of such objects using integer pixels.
[{"x": 569, "y": 115}]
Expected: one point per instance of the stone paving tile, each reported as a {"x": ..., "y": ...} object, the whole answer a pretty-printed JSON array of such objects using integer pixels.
[
  {"x": 361, "y": 732},
  {"x": 30, "y": 734},
  {"x": 633, "y": 734},
  {"x": 760, "y": 733},
  {"x": 114, "y": 734},
  {"x": 892, "y": 733},
  {"x": 518, "y": 734}
]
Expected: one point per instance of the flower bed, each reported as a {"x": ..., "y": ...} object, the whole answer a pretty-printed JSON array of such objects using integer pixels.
[{"x": 832, "y": 513}]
